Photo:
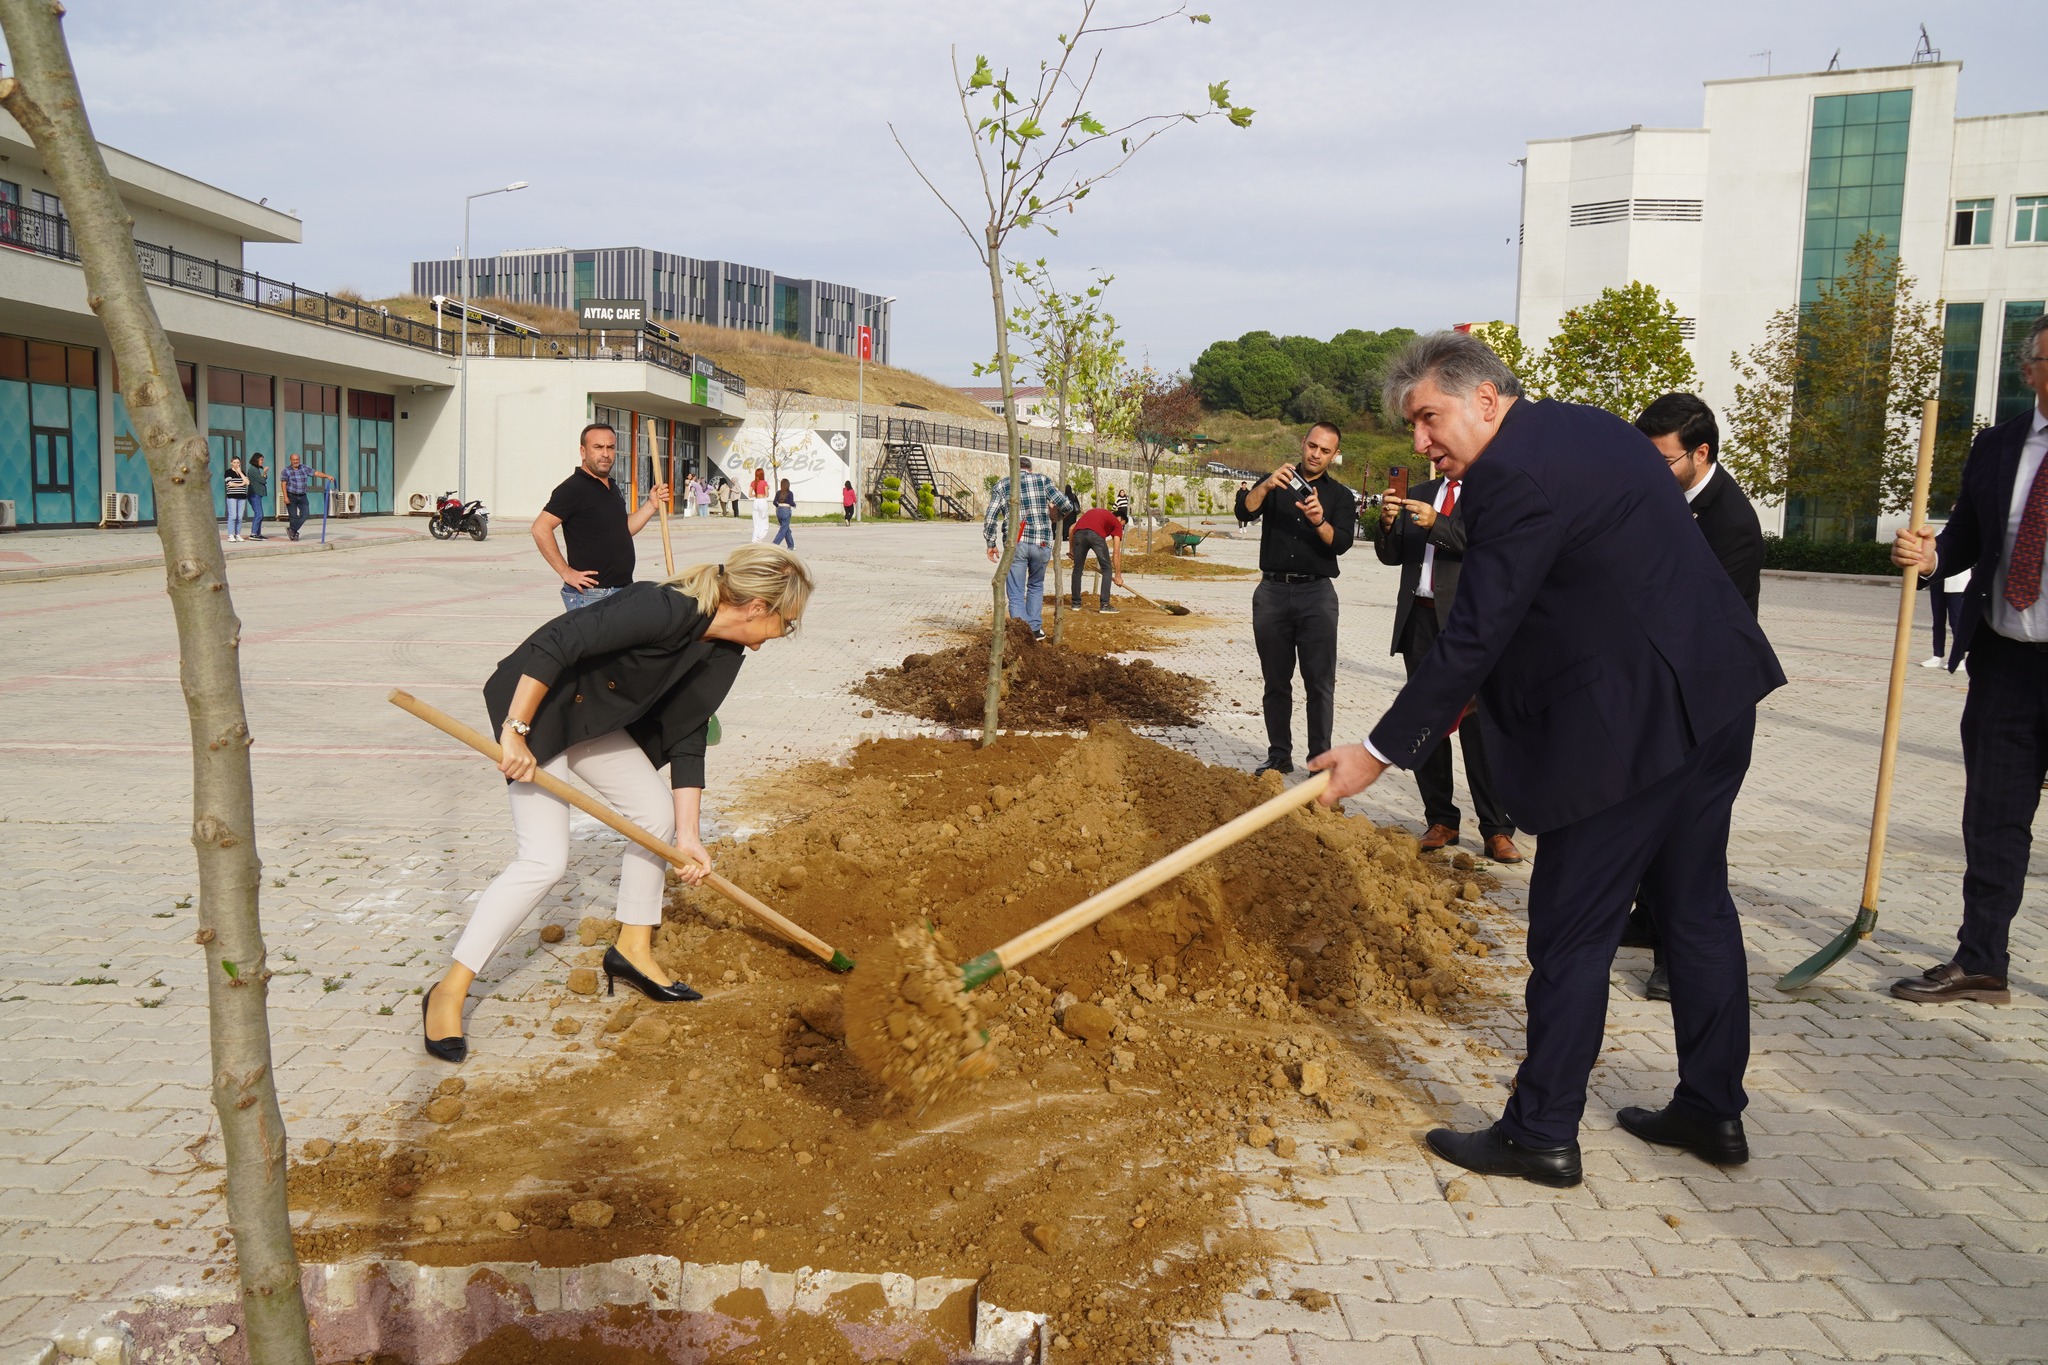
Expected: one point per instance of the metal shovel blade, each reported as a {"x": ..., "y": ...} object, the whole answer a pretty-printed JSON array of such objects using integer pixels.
[{"x": 1838, "y": 948}]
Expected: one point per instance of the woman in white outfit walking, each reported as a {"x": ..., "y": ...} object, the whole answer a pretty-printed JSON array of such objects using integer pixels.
[{"x": 612, "y": 692}]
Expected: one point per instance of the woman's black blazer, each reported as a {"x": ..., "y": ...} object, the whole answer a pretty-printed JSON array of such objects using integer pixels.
[{"x": 636, "y": 661}]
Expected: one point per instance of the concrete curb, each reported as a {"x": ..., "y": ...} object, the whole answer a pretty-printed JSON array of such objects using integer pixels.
[
  {"x": 1811, "y": 576},
  {"x": 45, "y": 572}
]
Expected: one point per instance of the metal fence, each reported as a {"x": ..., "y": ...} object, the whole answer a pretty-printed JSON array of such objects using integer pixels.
[
  {"x": 876, "y": 428},
  {"x": 49, "y": 234}
]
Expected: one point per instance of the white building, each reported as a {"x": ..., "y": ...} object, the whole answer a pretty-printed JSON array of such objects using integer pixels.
[{"x": 1744, "y": 216}]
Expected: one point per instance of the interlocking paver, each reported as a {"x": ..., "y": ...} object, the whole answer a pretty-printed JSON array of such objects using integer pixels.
[{"x": 1896, "y": 1208}]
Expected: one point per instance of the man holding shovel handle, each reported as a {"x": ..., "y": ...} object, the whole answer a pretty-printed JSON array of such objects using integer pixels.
[{"x": 1997, "y": 530}]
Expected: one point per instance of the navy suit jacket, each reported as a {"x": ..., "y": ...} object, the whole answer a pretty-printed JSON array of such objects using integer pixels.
[
  {"x": 1974, "y": 538},
  {"x": 1600, "y": 634}
]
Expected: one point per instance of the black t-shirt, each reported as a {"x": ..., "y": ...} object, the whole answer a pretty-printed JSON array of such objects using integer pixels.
[
  {"x": 594, "y": 528},
  {"x": 1288, "y": 544}
]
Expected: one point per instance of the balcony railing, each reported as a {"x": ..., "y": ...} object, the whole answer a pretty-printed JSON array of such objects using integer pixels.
[
  {"x": 49, "y": 234},
  {"x": 875, "y": 428}
]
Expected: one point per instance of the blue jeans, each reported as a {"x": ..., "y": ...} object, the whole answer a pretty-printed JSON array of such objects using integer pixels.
[
  {"x": 1026, "y": 587},
  {"x": 237, "y": 509},
  {"x": 573, "y": 598},
  {"x": 782, "y": 535}
]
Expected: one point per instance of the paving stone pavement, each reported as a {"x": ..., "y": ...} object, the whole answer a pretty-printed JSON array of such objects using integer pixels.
[{"x": 1896, "y": 1209}]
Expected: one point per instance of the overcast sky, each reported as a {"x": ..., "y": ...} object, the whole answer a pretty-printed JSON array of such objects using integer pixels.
[{"x": 1374, "y": 189}]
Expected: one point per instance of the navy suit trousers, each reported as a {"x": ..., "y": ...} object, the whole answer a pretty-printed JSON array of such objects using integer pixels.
[
  {"x": 2005, "y": 755},
  {"x": 1672, "y": 840}
]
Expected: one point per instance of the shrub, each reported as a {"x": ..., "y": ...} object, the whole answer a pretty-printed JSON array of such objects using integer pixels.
[
  {"x": 1834, "y": 556},
  {"x": 927, "y": 501},
  {"x": 1174, "y": 502},
  {"x": 892, "y": 497}
]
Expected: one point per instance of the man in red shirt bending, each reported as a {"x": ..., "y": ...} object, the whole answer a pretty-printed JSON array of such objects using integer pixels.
[{"x": 1098, "y": 532}]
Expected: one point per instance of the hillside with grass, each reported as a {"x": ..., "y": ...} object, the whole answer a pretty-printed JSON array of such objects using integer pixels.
[
  {"x": 1267, "y": 443},
  {"x": 763, "y": 359},
  {"x": 1262, "y": 392}
]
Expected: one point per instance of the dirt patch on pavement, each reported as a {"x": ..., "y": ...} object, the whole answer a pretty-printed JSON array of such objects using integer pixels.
[
  {"x": 1089, "y": 1177},
  {"x": 1167, "y": 565},
  {"x": 1045, "y": 686}
]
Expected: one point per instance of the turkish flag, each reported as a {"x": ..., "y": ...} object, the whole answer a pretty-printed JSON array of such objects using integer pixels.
[{"x": 867, "y": 343}]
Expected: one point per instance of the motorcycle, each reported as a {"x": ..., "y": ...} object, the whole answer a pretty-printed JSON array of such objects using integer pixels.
[{"x": 453, "y": 517}]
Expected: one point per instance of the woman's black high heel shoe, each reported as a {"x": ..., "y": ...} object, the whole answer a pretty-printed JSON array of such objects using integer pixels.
[
  {"x": 454, "y": 1049},
  {"x": 615, "y": 965}
]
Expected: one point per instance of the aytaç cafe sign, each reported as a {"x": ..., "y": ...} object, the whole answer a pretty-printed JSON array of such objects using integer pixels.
[{"x": 610, "y": 314}]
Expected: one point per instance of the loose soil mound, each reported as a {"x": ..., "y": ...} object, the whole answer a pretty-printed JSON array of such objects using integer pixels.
[
  {"x": 1166, "y": 564},
  {"x": 1090, "y": 1177},
  {"x": 1045, "y": 686}
]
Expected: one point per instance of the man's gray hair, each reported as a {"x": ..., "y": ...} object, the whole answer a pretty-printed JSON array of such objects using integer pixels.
[
  {"x": 1459, "y": 363},
  {"x": 2034, "y": 334}
]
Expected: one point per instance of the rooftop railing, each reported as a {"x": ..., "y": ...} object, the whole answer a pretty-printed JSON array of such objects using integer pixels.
[{"x": 48, "y": 234}]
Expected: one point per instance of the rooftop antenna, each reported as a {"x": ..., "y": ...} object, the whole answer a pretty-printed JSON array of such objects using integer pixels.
[
  {"x": 1766, "y": 55},
  {"x": 1835, "y": 62},
  {"x": 1925, "y": 50}
]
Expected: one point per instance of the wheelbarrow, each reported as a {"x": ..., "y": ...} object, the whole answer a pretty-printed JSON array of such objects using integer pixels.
[{"x": 1184, "y": 542}]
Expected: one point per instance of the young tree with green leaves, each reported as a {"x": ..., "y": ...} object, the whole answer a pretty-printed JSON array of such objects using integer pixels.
[
  {"x": 1827, "y": 406},
  {"x": 1169, "y": 411},
  {"x": 1619, "y": 352},
  {"x": 1040, "y": 150},
  {"x": 43, "y": 96}
]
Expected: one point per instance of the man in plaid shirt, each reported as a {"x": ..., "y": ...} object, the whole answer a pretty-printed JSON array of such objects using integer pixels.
[
  {"x": 296, "y": 478},
  {"x": 1038, "y": 499}
]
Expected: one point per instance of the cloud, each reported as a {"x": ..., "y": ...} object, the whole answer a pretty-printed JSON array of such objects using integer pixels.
[{"x": 1374, "y": 188}]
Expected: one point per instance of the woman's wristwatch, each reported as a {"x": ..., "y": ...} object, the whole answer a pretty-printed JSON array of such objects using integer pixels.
[{"x": 518, "y": 726}]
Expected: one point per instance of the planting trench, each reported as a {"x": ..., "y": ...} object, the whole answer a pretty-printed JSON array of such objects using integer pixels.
[{"x": 1087, "y": 1179}]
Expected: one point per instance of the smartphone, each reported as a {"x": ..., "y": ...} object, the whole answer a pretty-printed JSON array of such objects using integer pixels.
[{"x": 1397, "y": 481}]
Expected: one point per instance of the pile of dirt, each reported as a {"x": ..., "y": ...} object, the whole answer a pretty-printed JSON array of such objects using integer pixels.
[
  {"x": 1166, "y": 564},
  {"x": 1045, "y": 686},
  {"x": 1090, "y": 1177}
]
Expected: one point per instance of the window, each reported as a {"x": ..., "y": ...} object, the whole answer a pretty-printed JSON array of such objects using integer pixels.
[
  {"x": 52, "y": 448},
  {"x": 754, "y": 295},
  {"x": 732, "y": 291},
  {"x": 1855, "y": 179},
  {"x": 1962, "y": 348},
  {"x": 2030, "y": 218},
  {"x": 1973, "y": 223},
  {"x": 2014, "y": 397}
]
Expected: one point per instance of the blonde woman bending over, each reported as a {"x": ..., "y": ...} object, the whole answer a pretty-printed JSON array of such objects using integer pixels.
[{"x": 612, "y": 692}]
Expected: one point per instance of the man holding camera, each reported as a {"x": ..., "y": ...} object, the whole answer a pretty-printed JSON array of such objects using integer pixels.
[
  {"x": 1307, "y": 520},
  {"x": 1423, "y": 532}
]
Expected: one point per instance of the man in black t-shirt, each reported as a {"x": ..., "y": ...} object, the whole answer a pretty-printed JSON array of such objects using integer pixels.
[
  {"x": 594, "y": 522},
  {"x": 1308, "y": 519}
]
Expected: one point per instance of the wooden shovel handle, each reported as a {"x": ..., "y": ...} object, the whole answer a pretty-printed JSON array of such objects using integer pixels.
[
  {"x": 668, "y": 551},
  {"x": 1037, "y": 939},
  {"x": 597, "y": 810},
  {"x": 1902, "y": 648}
]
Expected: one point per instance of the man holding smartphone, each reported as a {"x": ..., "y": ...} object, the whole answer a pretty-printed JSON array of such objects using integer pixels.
[
  {"x": 1424, "y": 534},
  {"x": 1307, "y": 519}
]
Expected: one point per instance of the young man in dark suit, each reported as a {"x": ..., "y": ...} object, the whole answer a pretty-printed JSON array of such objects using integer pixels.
[
  {"x": 1997, "y": 531},
  {"x": 1685, "y": 434},
  {"x": 1425, "y": 534},
  {"x": 1618, "y": 674}
]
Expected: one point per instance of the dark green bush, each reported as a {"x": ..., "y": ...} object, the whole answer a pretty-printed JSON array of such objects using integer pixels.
[{"x": 1836, "y": 556}]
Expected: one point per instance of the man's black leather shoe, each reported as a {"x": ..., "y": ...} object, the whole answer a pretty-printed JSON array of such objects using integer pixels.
[
  {"x": 1719, "y": 1141},
  {"x": 1492, "y": 1152},
  {"x": 1269, "y": 766},
  {"x": 1950, "y": 982},
  {"x": 1658, "y": 985}
]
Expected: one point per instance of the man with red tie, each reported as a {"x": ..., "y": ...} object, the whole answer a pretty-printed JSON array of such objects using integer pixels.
[
  {"x": 1425, "y": 536},
  {"x": 1998, "y": 530}
]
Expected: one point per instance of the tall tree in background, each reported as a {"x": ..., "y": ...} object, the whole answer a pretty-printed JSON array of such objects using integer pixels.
[
  {"x": 44, "y": 99},
  {"x": 1169, "y": 410},
  {"x": 1039, "y": 150},
  {"x": 1618, "y": 352},
  {"x": 1060, "y": 333},
  {"x": 1828, "y": 405},
  {"x": 1506, "y": 341},
  {"x": 1106, "y": 400}
]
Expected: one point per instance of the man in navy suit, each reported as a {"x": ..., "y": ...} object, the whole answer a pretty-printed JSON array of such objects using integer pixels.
[
  {"x": 1618, "y": 672},
  {"x": 1996, "y": 530}
]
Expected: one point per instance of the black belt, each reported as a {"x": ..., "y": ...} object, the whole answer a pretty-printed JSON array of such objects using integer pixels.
[{"x": 1294, "y": 577}]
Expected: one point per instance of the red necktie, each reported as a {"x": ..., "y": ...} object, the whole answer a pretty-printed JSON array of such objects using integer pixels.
[
  {"x": 1450, "y": 497},
  {"x": 2023, "y": 570}
]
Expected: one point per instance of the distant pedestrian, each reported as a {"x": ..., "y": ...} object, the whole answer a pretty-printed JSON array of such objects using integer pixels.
[
  {"x": 689, "y": 494},
  {"x": 701, "y": 495},
  {"x": 1122, "y": 507},
  {"x": 236, "y": 481},
  {"x": 785, "y": 508},
  {"x": 1067, "y": 522},
  {"x": 759, "y": 505},
  {"x": 1242, "y": 489},
  {"x": 259, "y": 495},
  {"x": 1038, "y": 501},
  {"x": 297, "y": 478},
  {"x": 724, "y": 495},
  {"x": 595, "y": 524},
  {"x": 847, "y": 499}
]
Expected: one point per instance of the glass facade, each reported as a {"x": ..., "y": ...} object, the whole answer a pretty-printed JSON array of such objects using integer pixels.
[
  {"x": 370, "y": 431},
  {"x": 240, "y": 420},
  {"x": 1962, "y": 351},
  {"x": 1855, "y": 179},
  {"x": 49, "y": 432},
  {"x": 2014, "y": 397}
]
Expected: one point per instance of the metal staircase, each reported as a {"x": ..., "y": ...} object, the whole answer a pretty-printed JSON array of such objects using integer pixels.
[{"x": 910, "y": 460}]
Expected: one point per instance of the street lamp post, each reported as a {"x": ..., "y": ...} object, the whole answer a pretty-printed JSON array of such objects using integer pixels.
[
  {"x": 860, "y": 376},
  {"x": 462, "y": 419}
]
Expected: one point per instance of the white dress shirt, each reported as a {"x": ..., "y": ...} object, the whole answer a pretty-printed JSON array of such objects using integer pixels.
[
  {"x": 1701, "y": 486},
  {"x": 2031, "y": 624},
  {"x": 1425, "y": 586}
]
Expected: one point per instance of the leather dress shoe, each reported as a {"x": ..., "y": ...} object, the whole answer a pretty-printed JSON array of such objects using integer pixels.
[
  {"x": 1658, "y": 984},
  {"x": 1270, "y": 766},
  {"x": 1501, "y": 848},
  {"x": 454, "y": 1049},
  {"x": 1950, "y": 982},
  {"x": 1719, "y": 1141},
  {"x": 1492, "y": 1152},
  {"x": 1436, "y": 838}
]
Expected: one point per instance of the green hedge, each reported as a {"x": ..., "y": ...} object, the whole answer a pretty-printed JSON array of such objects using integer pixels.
[{"x": 1839, "y": 556}]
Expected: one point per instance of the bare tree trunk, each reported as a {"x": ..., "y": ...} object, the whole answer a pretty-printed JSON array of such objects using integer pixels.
[
  {"x": 1001, "y": 612},
  {"x": 44, "y": 99},
  {"x": 1058, "y": 573}
]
